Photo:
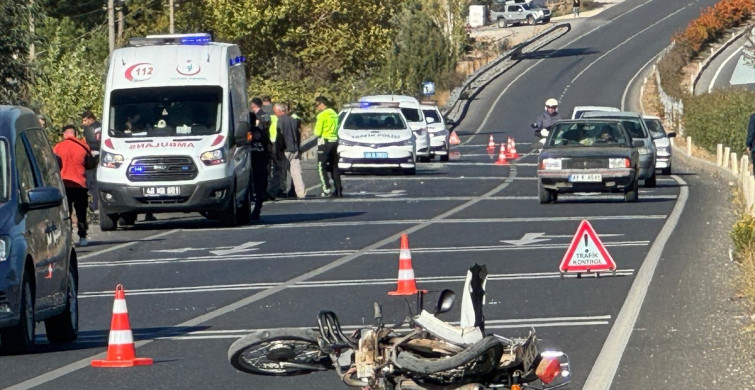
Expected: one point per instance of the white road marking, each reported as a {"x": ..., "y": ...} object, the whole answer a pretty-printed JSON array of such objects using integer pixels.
[
  {"x": 245, "y": 247},
  {"x": 127, "y": 244},
  {"x": 337, "y": 283},
  {"x": 720, "y": 68},
  {"x": 332, "y": 253},
  {"x": 602, "y": 373}
]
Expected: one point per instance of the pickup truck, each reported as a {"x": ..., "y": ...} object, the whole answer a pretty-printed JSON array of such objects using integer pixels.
[{"x": 510, "y": 12}]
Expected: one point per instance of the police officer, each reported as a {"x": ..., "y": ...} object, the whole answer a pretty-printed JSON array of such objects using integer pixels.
[
  {"x": 260, "y": 154},
  {"x": 326, "y": 131}
]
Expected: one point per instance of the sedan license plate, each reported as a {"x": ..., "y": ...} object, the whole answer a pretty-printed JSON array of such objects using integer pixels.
[
  {"x": 162, "y": 191},
  {"x": 585, "y": 178},
  {"x": 375, "y": 154}
]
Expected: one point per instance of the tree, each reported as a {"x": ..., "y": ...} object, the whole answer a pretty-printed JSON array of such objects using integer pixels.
[
  {"x": 420, "y": 52},
  {"x": 15, "y": 41}
]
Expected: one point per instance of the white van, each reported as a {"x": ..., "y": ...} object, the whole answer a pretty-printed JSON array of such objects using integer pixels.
[
  {"x": 175, "y": 131},
  {"x": 414, "y": 116}
]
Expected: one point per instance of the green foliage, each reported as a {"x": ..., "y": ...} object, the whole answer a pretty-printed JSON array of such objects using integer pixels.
[
  {"x": 743, "y": 233},
  {"x": 15, "y": 41},
  {"x": 719, "y": 117},
  {"x": 69, "y": 77},
  {"x": 420, "y": 53}
]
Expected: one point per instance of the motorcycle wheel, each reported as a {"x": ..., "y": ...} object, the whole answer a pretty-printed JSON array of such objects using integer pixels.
[
  {"x": 278, "y": 352},
  {"x": 424, "y": 365}
]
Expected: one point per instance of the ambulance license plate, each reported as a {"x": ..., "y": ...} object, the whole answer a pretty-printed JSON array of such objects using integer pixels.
[{"x": 162, "y": 191}]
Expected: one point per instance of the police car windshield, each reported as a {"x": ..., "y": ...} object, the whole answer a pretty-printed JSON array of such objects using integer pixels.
[
  {"x": 374, "y": 121},
  {"x": 165, "y": 112},
  {"x": 411, "y": 114},
  {"x": 4, "y": 171},
  {"x": 432, "y": 114}
]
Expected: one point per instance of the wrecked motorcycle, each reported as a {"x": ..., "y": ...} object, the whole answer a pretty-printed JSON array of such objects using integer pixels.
[{"x": 429, "y": 354}]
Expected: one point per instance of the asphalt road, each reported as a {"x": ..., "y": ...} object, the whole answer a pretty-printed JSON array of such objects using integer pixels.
[
  {"x": 729, "y": 67},
  {"x": 192, "y": 287}
]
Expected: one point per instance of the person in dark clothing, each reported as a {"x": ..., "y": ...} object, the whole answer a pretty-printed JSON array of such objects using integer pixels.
[
  {"x": 289, "y": 133},
  {"x": 260, "y": 154},
  {"x": 575, "y": 8},
  {"x": 751, "y": 140},
  {"x": 92, "y": 133}
]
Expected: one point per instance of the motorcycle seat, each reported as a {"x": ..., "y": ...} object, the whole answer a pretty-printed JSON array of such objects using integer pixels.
[{"x": 454, "y": 334}]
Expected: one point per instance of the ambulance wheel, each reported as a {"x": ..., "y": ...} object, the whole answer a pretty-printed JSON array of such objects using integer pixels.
[
  {"x": 108, "y": 222},
  {"x": 228, "y": 216},
  {"x": 244, "y": 214}
]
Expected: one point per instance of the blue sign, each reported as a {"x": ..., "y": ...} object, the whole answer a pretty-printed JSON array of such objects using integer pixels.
[{"x": 428, "y": 88}]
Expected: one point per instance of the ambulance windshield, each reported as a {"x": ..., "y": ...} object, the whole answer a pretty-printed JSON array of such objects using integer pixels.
[{"x": 165, "y": 111}]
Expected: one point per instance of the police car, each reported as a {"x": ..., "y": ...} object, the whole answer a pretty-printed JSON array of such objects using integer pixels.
[
  {"x": 436, "y": 126},
  {"x": 375, "y": 136},
  {"x": 414, "y": 116}
]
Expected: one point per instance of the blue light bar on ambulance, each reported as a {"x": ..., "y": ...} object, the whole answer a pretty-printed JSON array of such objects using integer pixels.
[
  {"x": 236, "y": 60},
  {"x": 172, "y": 39}
]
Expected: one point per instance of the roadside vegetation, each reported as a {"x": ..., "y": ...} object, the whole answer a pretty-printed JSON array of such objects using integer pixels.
[{"x": 720, "y": 117}]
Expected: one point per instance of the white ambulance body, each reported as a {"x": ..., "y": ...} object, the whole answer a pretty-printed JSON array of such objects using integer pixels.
[{"x": 175, "y": 131}]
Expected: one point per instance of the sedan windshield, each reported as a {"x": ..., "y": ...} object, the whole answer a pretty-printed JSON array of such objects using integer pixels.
[
  {"x": 374, "y": 121},
  {"x": 165, "y": 112},
  {"x": 593, "y": 133},
  {"x": 656, "y": 128},
  {"x": 412, "y": 114}
]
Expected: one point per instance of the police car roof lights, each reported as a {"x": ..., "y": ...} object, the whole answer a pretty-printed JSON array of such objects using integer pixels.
[
  {"x": 372, "y": 104},
  {"x": 172, "y": 39}
]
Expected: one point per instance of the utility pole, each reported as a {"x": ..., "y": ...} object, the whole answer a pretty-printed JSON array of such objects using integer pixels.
[
  {"x": 31, "y": 30},
  {"x": 170, "y": 4},
  {"x": 119, "y": 8},
  {"x": 111, "y": 25}
]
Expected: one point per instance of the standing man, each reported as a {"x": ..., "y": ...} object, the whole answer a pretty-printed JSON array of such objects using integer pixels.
[
  {"x": 92, "y": 133},
  {"x": 267, "y": 105},
  {"x": 277, "y": 168},
  {"x": 260, "y": 152},
  {"x": 751, "y": 140},
  {"x": 72, "y": 153},
  {"x": 575, "y": 8},
  {"x": 326, "y": 131},
  {"x": 289, "y": 133}
]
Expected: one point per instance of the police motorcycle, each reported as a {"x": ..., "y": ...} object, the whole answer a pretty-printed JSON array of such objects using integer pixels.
[{"x": 429, "y": 354}]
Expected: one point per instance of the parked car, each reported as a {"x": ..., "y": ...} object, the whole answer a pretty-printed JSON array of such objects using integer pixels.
[
  {"x": 509, "y": 13},
  {"x": 414, "y": 117},
  {"x": 38, "y": 268},
  {"x": 588, "y": 155},
  {"x": 662, "y": 141},
  {"x": 580, "y": 110},
  {"x": 637, "y": 129},
  {"x": 375, "y": 136},
  {"x": 436, "y": 126}
]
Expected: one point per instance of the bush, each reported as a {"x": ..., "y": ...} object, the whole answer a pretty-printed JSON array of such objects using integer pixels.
[
  {"x": 743, "y": 234},
  {"x": 720, "y": 117}
]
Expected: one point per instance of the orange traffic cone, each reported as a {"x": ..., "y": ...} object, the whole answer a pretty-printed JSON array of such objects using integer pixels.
[
  {"x": 512, "y": 154},
  {"x": 491, "y": 144},
  {"x": 120, "y": 349},
  {"x": 406, "y": 283},
  {"x": 502, "y": 156},
  {"x": 454, "y": 139}
]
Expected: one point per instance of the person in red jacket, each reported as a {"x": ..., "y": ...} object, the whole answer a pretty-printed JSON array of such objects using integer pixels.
[{"x": 73, "y": 152}]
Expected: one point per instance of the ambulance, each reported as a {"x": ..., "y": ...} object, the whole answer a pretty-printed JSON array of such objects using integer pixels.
[{"x": 176, "y": 132}]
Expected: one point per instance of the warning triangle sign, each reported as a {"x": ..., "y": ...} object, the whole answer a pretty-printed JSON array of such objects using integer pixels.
[{"x": 586, "y": 253}]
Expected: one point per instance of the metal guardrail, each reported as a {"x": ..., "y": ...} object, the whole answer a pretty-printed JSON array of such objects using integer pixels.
[{"x": 458, "y": 102}]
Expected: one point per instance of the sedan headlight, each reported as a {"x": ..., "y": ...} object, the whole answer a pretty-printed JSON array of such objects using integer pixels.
[
  {"x": 663, "y": 151},
  {"x": 111, "y": 160},
  {"x": 551, "y": 164},
  {"x": 615, "y": 163},
  {"x": 343, "y": 142},
  {"x": 4, "y": 248},
  {"x": 213, "y": 157}
]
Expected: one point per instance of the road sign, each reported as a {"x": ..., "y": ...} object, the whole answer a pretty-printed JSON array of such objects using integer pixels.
[
  {"x": 586, "y": 253},
  {"x": 428, "y": 88}
]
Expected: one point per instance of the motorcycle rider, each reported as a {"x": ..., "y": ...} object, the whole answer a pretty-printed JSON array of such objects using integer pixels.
[{"x": 546, "y": 119}]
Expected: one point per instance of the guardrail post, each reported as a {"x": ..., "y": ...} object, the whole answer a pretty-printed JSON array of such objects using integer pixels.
[
  {"x": 751, "y": 187},
  {"x": 725, "y": 157},
  {"x": 719, "y": 155},
  {"x": 689, "y": 146},
  {"x": 734, "y": 164}
]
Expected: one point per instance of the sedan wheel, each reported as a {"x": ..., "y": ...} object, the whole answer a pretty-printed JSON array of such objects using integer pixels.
[
  {"x": 65, "y": 326},
  {"x": 20, "y": 338},
  {"x": 546, "y": 195},
  {"x": 632, "y": 194}
]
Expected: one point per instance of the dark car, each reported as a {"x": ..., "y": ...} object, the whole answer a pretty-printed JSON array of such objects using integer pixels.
[
  {"x": 588, "y": 155},
  {"x": 38, "y": 269}
]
